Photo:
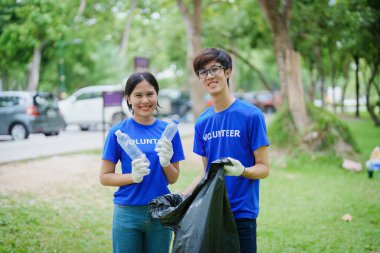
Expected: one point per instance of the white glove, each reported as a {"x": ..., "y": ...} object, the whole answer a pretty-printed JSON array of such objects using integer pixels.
[
  {"x": 139, "y": 169},
  {"x": 236, "y": 169},
  {"x": 164, "y": 149}
]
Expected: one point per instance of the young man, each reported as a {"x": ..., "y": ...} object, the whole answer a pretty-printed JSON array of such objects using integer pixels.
[{"x": 234, "y": 129}]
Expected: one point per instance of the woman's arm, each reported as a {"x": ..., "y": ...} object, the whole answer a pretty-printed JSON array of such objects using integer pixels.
[
  {"x": 172, "y": 172},
  {"x": 108, "y": 177}
]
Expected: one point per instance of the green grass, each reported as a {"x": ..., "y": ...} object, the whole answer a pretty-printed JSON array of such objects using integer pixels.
[
  {"x": 302, "y": 206},
  {"x": 302, "y": 203},
  {"x": 366, "y": 134},
  {"x": 30, "y": 225}
]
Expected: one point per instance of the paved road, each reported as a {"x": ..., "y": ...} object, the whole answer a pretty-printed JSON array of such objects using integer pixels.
[{"x": 70, "y": 141}]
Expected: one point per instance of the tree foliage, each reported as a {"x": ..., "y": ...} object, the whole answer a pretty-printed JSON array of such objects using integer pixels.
[{"x": 328, "y": 34}]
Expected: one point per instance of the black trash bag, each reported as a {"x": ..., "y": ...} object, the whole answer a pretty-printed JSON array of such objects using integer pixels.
[
  {"x": 202, "y": 222},
  {"x": 164, "y": 204}
]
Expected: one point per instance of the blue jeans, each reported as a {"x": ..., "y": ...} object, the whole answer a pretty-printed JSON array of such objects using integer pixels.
[
  {"x": 247, "y": 235},
  {"x": 134, "y": 230}
]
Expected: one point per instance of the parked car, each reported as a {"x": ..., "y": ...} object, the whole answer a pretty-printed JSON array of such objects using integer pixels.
[
  {"x": 249, "y": 97},
  {"x": 174, "y": 102},
  {"x": 265, "y": 100},
  {"x": 85, "y": 106},
  {"x": 23, "y": 113}
]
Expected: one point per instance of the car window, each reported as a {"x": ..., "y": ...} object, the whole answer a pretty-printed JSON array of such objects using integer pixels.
[
  {"x": 45, "y": 99},
  {"x": 90, "y": 95},
  {"x": 185, "y": 95},
  {"x": 8, "y": 101},
  {"x": 264, "y": 96}
]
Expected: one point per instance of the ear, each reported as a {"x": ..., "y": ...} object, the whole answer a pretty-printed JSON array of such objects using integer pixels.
[
  {"x": 128, "y": 99},
  {"x": 227, "y": 72}
]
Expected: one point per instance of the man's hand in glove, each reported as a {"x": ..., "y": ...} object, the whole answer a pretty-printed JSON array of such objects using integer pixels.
[
  {"x": 139, "y": 169},
  {"x": 164, "y": 150},
  {"x": 235, "y": 169}
]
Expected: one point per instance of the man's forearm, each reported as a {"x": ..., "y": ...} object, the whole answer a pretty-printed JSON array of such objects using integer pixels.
[{"x": 258, "y": 171}]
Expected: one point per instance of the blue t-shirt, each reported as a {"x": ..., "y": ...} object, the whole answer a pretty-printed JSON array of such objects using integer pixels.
[
  {"x": 145, "y": 136},
  {"x": 235, "y": 132}
]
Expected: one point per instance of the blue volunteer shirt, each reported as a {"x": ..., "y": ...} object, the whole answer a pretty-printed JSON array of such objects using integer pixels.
[
  {"x": 235, "y": 132},
  {"x": 145, "y": 136}
]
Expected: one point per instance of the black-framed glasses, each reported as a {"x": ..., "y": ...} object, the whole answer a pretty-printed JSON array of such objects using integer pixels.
[{"x": 214, "y": 70}]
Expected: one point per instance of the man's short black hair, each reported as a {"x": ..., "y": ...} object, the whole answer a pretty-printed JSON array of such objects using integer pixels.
[{"x": 211, "y": 54}]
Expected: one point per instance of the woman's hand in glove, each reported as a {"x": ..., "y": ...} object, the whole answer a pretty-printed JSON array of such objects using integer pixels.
[
  {"x": 164, "y": 149},
  {"x": 139, "y": 169}
]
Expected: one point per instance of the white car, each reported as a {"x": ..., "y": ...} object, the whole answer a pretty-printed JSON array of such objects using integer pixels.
[{"x": 95, "y": 105}]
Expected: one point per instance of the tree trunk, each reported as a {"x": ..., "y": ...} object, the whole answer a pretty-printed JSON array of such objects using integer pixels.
[
  {"x": 4, "y": 81},
  {"x": 81, "y": 8},
  {"x": 312, "y": 83},
  {"x": 34, "y": 68},
  {"x": 332, "y": 76},
  {"x": 345, "y": 84},
  {"x": 233, "y": 76},
  {"x": 124, "y": 42},
  {"x": 357, "y": 62},
  {"x": 370, "y": 108},
  {"x": 193, "y": 32},
  {"x": 288, "y": 61},
  {"x": 295, "y": 92},
  {"x": 321, "y": 74}
]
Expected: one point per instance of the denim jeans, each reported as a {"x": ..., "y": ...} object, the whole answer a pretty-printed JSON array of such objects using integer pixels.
[
  {"x": 247, "y": 235},
  {"x": 134, "y": 230}
]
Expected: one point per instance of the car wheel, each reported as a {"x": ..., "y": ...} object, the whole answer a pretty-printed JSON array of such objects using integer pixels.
[
  {"x": 51, "y": 133},
  {"x": 19, "y": 132},
  {"x": 270, "y": 109},
  {"x": 117, "y": 117},
  {"x": 84, "y": 127}
]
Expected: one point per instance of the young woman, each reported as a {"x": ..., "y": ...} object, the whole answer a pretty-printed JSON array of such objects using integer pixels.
[{"x": 134, "y": 230}]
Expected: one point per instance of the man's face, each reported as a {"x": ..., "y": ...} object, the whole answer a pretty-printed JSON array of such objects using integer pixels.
[{"x": 213, "y": 78}]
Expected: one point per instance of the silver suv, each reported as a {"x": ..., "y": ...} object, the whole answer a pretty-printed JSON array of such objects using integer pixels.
[{"x": 23, "y": 113}]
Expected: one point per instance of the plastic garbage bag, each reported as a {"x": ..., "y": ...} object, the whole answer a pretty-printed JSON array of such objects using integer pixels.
[
  {"x": 202, "y": 222},
  {"x": 163, "y": 205}
]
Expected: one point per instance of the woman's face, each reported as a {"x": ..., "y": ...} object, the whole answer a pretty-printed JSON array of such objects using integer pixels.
[{"x": 143, "y": 100}]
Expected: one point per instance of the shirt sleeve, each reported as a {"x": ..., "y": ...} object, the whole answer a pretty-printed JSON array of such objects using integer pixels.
[
  {"x": 111, "y": 149},
  {"x": 199, "y": 147},
  {"x": 258, "y": 130},
  {"x": 178, "y": 154}
]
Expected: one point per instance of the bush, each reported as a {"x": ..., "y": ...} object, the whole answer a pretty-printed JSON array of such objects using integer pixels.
[{"x": 326, "y": 132}]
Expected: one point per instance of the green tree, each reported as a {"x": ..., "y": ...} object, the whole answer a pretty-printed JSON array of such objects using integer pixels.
[
  {"x": 33, "y": 25},
  {"x": 288, "y": 60}
]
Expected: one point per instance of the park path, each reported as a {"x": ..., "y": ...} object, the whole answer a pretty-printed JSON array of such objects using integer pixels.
[{"x": 52, "y": 176}]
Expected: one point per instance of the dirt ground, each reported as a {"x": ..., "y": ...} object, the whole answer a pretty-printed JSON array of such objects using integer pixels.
[
  {"x": 50, "y": 177},
  {"x": 53, "y": 177}
]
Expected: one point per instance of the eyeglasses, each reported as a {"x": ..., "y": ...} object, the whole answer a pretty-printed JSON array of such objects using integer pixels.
[{"x": 214, "y": 70}]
